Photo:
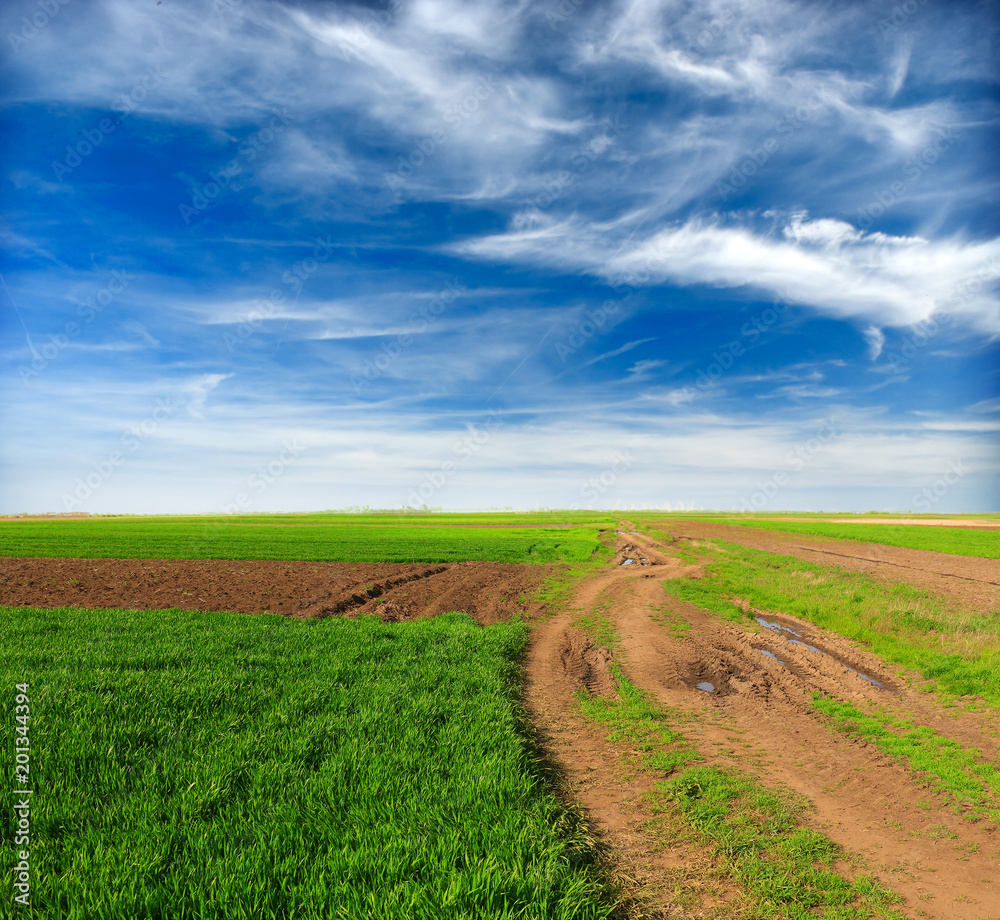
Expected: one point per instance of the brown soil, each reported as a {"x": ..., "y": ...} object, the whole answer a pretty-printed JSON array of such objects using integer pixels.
[
  {"x": 970, "y": 580},
  {"x": 978, "y": 523},
  {"x": 759, "y": 718},
  {"x": 488, "y": 591}
]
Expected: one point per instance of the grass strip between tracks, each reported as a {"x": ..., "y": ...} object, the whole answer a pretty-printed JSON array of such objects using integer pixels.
[
  {"x": 210, "y": 765},
  {"x": 957, "y": 650},
  {"x": 960, "y": 771},
  {"x": 785, "y": 868}
]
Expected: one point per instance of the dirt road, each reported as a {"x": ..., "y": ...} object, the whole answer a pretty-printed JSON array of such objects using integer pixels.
[{"x": 758, "y": 716}]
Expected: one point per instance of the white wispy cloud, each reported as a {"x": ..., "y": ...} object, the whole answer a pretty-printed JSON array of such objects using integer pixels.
[
  {"x": 875, "y": 338},
  {"x": 825, "y": 264}
]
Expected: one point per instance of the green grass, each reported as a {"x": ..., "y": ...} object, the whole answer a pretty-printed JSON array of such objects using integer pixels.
[
  {"x": 632, "y": 719},
  {"x": 958, "y": 650},
  {"x": 557, "y": 589},
  {"x": 259, "y": 537},
  {"x": 957, "y": 540},
  {"x": 195, "y": 765},
  {"x": 961, "y": 772},
  {"x": 597, "y": 623},
  {"x": 785, "y": 869},
  {"x": 673, "y": 624}
]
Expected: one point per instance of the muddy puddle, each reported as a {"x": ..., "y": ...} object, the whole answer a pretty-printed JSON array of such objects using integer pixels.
[
  {"x": 632, "y": 555},
  {"x": 780, "y": 628}
]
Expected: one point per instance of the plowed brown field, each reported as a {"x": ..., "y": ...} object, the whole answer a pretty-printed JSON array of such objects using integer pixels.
[{"x": 488, "y": 591}]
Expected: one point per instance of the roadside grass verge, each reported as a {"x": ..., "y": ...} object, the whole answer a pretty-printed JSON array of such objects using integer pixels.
[
  {"x": 962, "y": 772},
  {"x": 785, "y": 869},
  {"x": 956, "y": 650},
  {"x": 960, "y": 541},
  {"x": 197, "y": 765},
  {"x": 255, "y": 537}
]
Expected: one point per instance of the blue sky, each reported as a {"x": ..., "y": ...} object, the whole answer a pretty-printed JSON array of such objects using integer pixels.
[{"x": 267, "y": 256}]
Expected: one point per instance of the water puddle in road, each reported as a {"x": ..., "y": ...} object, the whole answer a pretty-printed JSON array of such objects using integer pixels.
[
  {"x": 627, "y": 562},
  {"x": 812, "y": 648},
  {"x": 870, "y": 680},
  {"x": 779, "y": 628},
  {"x": 706, "y": 686},
  {"x": 776, "y": 627}
]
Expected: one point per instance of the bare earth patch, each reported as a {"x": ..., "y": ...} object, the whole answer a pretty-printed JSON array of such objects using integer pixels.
[
  {"x": 488, "y": 591},
  {"x": 977, "y": 523}
]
